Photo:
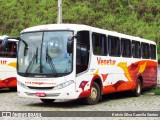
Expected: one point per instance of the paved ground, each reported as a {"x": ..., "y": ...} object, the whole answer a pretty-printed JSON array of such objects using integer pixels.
[
  {"x": 114, "y": 102},
  {"x": 10, "y": 101}
]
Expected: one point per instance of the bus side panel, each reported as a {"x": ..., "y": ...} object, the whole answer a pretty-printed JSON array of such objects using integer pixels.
[
  {"x": 150, "y": 74},
  {"x": 119, "y": 86},
  {"x": 147, "y": 70},
  {"x": 121, "y": 76},
  {"x": 11, "y": 82},
  {"x": 8, "y": 72},
  {"x": 83, "y": 84},
  {"x": 11, "y": 74},
  {"x": 2, "y": 81},
  {"x": 2, "y": 84}
]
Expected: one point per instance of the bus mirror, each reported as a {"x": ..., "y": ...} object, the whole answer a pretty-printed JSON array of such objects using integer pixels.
[{"x": 70, "y": 45}]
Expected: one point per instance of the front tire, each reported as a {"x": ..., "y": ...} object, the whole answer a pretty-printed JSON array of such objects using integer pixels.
[
  {"x": 138, "y": 90},
  {"x": 47, "y": 101},
  {"x": 94, "y": 96}
]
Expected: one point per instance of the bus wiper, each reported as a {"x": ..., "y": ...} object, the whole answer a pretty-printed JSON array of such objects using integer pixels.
[
  {"x": 49, "y": 60},
  {"x": 32, "y": 61}
]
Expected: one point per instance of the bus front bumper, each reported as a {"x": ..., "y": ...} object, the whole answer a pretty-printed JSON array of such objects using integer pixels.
[{"x": 66, "y": 93}]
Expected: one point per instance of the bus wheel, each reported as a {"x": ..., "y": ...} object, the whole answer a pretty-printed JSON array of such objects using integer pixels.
[
  {"x": 138, "y": 89},
  {"x": 47, "y": 100},
  {"x": 94, "y": 96}
]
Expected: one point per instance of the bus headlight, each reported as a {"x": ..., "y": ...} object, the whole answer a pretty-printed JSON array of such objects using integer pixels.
[
  {"x": 63, "y": 85},
  {"x": 21, "y": 84}
]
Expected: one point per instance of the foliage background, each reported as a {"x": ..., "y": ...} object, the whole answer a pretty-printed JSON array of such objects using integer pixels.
[{"x": 135, "y": 17}]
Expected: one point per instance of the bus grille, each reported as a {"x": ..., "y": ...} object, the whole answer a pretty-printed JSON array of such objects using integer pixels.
[
  {"x": 47, "y": 95},
  {"x": 40, "y": 88}
]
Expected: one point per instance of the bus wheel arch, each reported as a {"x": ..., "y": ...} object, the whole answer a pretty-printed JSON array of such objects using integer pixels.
[
  {"x": 141, "y": 79},
  {"x": 138, "y": 89},
  {"x": 95, "y": 92},
  {"x": 99, "y": 82}
]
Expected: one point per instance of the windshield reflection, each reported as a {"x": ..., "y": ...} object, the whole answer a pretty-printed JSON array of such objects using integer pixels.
[{"x": 50, "y": 49}]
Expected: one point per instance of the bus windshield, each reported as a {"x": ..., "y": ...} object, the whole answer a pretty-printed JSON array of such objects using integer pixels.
[{"x": 44, "y": 53}]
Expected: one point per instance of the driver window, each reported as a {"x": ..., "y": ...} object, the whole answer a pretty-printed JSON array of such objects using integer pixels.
[{"x": 82, "y": 51}]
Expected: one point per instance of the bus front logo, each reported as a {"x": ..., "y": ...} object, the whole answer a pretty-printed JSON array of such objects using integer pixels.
[{"x": 39, "y": 76}]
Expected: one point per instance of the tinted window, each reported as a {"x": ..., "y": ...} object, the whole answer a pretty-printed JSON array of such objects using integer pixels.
[
  {"x": 153, "y": 51},
  {"x": 10, "y": 50},
  {"x": 1, "y": 52},
  {"x": 145, "y": 50},
  {"x": 136, "y": 49},
  {"x": 83, "y": 37},
  {"x": 126, "y": 47},
  {"x": 82, "y": 51},
  {"x": 99, "y": 42},
  {"x": 114, "y": 46}
]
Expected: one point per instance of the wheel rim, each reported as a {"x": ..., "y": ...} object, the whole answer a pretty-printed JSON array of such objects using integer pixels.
[{"x": 93, "y": 95}]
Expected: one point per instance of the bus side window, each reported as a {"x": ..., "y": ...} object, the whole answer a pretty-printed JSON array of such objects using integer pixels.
[
  {"x": 126, "y": 47},
  {"x": 99, "y": 43},
  {"x": 145, "y": 50},
  {"x": 136, "y": 49},
  {"x": 82, "y": 51},
  {"x": 114, "y": 46},
  {"x": 11, "y": 49},
  {"x": 153, "y": 51}
]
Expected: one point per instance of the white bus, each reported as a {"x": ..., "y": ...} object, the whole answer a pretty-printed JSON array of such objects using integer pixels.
[
  {"x": 8, "y": 63},
  {"x": 71, "y": 61}
]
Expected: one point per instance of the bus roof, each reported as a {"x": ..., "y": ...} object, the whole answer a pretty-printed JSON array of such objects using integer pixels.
[
  {"x": 4, "y": 36},
  {"x": 79, "y": 27},
  {"x": 57, "y": 27}
]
